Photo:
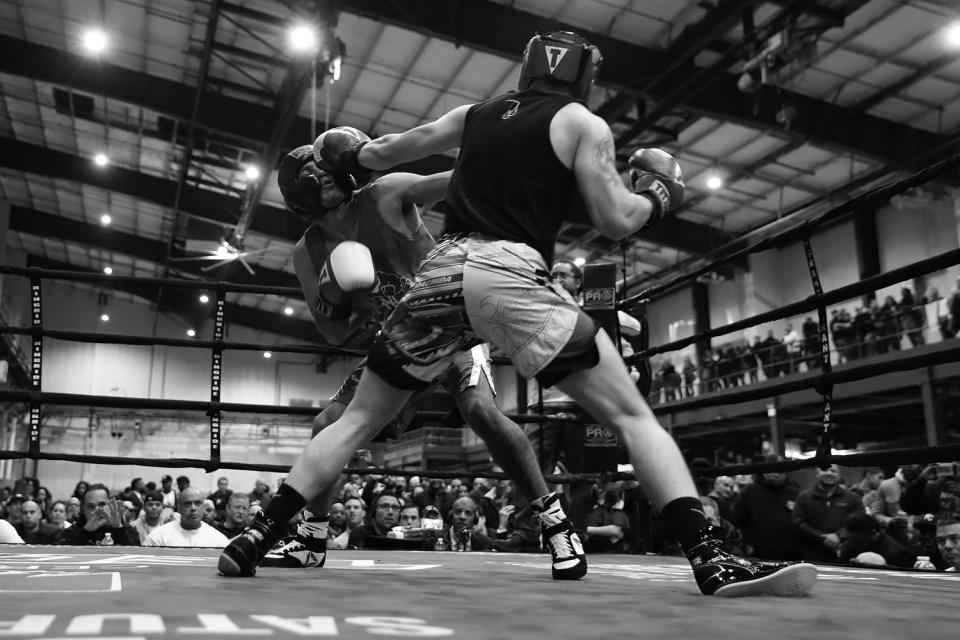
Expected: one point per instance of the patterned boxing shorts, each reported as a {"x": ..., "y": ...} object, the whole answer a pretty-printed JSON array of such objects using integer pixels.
[
  {"x": 472, "y": 289},
  {"x": 462, "y": 373}
]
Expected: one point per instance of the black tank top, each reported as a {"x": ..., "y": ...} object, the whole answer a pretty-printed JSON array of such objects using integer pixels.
[{"x": 508, "y": 182}]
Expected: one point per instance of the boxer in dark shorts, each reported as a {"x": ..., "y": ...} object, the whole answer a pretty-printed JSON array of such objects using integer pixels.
[{"x": 384, "y": 218}]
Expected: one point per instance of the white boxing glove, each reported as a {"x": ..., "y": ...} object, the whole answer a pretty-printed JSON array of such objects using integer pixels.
[{"x": 347, "y": 269}]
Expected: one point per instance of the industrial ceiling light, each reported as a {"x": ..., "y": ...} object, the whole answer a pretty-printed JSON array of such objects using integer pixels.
[
  {"x": 95, "y": 41},
  {"x": 288, "y": 311},
  {"x": 101, "y": 159},
  {"x": 714, "y": 182},
  {"x": 953, "y": 34},
  {"x": 302, "y": 38},
  {"x": 104, "y": 317},
  {"x": 579, "y": 261},
  {"x": 267, "y": 355},
  {"x": 105, "y": 219},
  {"x": 204, "y": 298},
  {"x": 108, "y": 271},
  {"x": 191, "y": 333},
  {"x": 252, "y": 172}
]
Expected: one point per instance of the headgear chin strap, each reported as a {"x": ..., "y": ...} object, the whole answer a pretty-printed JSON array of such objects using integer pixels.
[
  {"x": 563, "y": 58},
  {"x": 303, "y": 196}
]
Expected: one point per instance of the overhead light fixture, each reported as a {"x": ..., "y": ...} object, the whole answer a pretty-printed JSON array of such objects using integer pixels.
[
  {"x": 108, "y": 271},
  {"x": 204, "y": 298},
  {"x": 105, "y": 219},
  {"x": 714, "y": 182},
  {"x": 95, "y": 40},
  {"x": 104, "y": 317},
  {"x": 191, "y": 333},
  {"x": 252, "y": 172},
  {"x": 101, "y": 159},
  {"x": 953, "y": 34},
  {"x": 302, "y": 38},
  {"x": 579, "y": 261},
  {"x": 288, "y": 311},
  {"x": 267, "y": 355},
  {"x": 334, "y": 67}
]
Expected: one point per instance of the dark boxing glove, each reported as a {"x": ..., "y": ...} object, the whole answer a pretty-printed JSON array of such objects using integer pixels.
[
  {"x": 337, "y": 150},
  {"x": 656, "y": 174},
  {"x": 347, "y": 269}
]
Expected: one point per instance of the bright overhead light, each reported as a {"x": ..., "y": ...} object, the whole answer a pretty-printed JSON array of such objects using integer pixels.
[
  {"x": 252, "y": 172},
  {"x": 95, "y": 40},
  {"x": 105, "y": 219},
  {"x": 714, "y": 182},
  {"x": 101, "y": 159},
  {"x": 579, "y": 261},
  {"x": 204, "y": 298},
  {"x": 108, "y": 270},
  {"x": 267, "y": 355},
  {"x": 104, "y": 317},
  {"x": 302, "y": 37},
  {"x": 222, "y": 250},
  {"x": 288, "y": 311},
  {"x": 191, "y": 333},
  {"x": 953, "y": 34}
]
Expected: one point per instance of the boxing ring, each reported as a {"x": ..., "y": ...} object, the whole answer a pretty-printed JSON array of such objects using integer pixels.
[
  {"x": 56, "y": 592},
  {"x": 138, "y": 593}
]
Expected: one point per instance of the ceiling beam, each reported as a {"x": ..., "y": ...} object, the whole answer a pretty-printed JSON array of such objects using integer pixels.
[
  {"x": 501, "y": 30},
  {"x": 49, "y": 225},
  {"x": 184, "y": 301},
  {"x": 200, "y": 203}
]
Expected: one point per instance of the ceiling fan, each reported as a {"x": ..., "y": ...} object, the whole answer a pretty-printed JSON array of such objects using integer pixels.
[{"x": 221, "y": 252}]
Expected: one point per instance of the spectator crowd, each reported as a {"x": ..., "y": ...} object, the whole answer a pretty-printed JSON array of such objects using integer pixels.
[
  {"x": 870, "y": 329},
  {"x": 910, "y": 519}
]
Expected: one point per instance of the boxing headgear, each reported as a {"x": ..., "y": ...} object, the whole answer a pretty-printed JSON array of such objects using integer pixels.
[
  {"x": 562, "y": 58},
  {"x": 302, "y": 195}
]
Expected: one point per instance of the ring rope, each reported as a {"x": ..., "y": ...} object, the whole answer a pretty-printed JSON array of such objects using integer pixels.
[{"x": 846, "y": 292}]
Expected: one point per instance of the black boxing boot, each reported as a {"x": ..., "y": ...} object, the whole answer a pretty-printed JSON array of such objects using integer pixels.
[
  {"x": 306, "y": 548},
  {"x": 242, "y": 554},
  {"x": 725, "y": 575},
  {"x": 568, "y": 562}
]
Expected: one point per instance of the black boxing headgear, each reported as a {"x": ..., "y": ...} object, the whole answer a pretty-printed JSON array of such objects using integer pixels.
[
  {"x": 301, "y": 195},
  {"x": 561, "y": 58}
]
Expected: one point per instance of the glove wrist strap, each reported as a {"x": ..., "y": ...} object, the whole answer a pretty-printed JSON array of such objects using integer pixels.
[
  {"x": 656, "y": 214},
  {"x": 332, "y": 311}
]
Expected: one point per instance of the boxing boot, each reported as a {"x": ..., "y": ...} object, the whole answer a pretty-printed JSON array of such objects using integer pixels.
[
  {"x": 306, "y": 548},
  {"x": 725, "y": 575},
  {"x": 568, "y": 562}
]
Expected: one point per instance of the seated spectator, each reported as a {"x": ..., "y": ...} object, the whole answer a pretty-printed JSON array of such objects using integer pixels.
[
  {"x": 30, "y": 528},
  {"x": 375, "y": 535},
  {"x": 722, "y": 494},
  {"x": 220, "y": 497},
  {"x": 730, "y": 537},
  {"x": 168, "y": 492},
  {"x": 153, "y": 514},
  {"x": 261, "y": 494},
  {"x": 338, "y": 520},
  {"x": 189, "y": 530},
  {"x": 101, "y": 515},
  {"x": 11, "y": 512},
  {"x": 607, "y": 524},
  {"x": 236, "y": 515},
  {"x": 356, "y": 514},
  {"x": 466, "y": 532},
  {"x": 57, "y": 518},
  {"x": 862, "y": 533},
  {"x": 209, "y": 512},
  {"x": 74, "y": 509},
  {"x": 948, "y": 542}
]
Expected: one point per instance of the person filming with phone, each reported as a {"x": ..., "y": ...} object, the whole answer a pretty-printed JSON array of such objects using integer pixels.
[{"x": 935, "y": 490}]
